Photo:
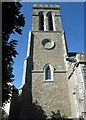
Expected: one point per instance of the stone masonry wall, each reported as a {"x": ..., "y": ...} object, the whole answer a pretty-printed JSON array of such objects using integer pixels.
[{"x": 53, "y": 95}]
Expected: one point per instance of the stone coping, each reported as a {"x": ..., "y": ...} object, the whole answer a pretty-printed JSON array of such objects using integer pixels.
[{"x": 45, "y": 6}]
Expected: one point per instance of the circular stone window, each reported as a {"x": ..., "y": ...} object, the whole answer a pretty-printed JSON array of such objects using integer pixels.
[{"x": 47, "y": 44}]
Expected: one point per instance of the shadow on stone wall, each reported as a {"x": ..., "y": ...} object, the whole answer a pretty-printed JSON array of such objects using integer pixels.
[
  {"x": 36, "y": 112},
  {"x": 57, "y": 116},
  {"x": 4, "y": 115}
]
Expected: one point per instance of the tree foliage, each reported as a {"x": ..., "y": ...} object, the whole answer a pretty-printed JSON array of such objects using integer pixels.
[{"x": 12, "y": 22}]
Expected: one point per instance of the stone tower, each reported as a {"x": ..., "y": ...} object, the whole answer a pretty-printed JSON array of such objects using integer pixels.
[{"x": 45, "y": 78}]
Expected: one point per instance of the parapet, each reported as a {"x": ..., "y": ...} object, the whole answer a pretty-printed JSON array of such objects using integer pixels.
[
  {"x": 81, "y": 57},
  {"x": 45, "y": 6},
  {"x": 78, "y": 57}
]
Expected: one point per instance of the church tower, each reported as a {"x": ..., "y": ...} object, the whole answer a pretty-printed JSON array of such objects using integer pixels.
[{"x": 45, "y": 78}]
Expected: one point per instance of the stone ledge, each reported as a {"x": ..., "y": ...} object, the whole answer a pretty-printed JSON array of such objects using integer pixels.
[
  {"x": 41, "y": 31},
  {"x": 55, "y": 71}
]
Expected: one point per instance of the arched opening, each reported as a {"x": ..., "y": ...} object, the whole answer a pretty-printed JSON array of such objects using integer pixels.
[
  {"x": 41, "y": 21},
  {"x": 48, "y": 73},
  {"x": 50, "y": 22}
]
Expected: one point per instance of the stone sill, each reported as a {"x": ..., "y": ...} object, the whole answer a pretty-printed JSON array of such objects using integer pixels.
[{"x": 48, "y": 80}]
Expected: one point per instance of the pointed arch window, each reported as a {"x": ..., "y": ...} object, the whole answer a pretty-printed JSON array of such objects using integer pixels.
[
  {"x": 41, "y": 21},
  {"x": 48, "y": 73},
  {"x": 50, "y": 21}
]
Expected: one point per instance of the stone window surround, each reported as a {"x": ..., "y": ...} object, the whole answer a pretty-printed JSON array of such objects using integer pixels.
[
  {"x": 52, "y": 70},
  {"x": 45, "y": 41},
  {"x": 45, "y": 16}
]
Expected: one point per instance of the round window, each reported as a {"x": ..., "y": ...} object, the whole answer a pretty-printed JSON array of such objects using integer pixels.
[{"x": 47, "y": 44}]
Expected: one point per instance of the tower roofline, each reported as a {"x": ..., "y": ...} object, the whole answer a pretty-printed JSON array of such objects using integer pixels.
[{"x": 45, "y": 6}]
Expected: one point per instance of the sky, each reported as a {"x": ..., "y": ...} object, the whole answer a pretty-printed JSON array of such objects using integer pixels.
[{"x": 72, "y": 16}]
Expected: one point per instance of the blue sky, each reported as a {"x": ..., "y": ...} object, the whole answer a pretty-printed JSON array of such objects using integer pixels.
[{"x": 72, "y": 15}]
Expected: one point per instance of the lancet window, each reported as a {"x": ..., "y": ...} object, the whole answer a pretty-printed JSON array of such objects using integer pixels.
[
  {"x": 48, "y": 73},
  {"x": 41, "y": 21},
  {"x": 50, "y": 21}
]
